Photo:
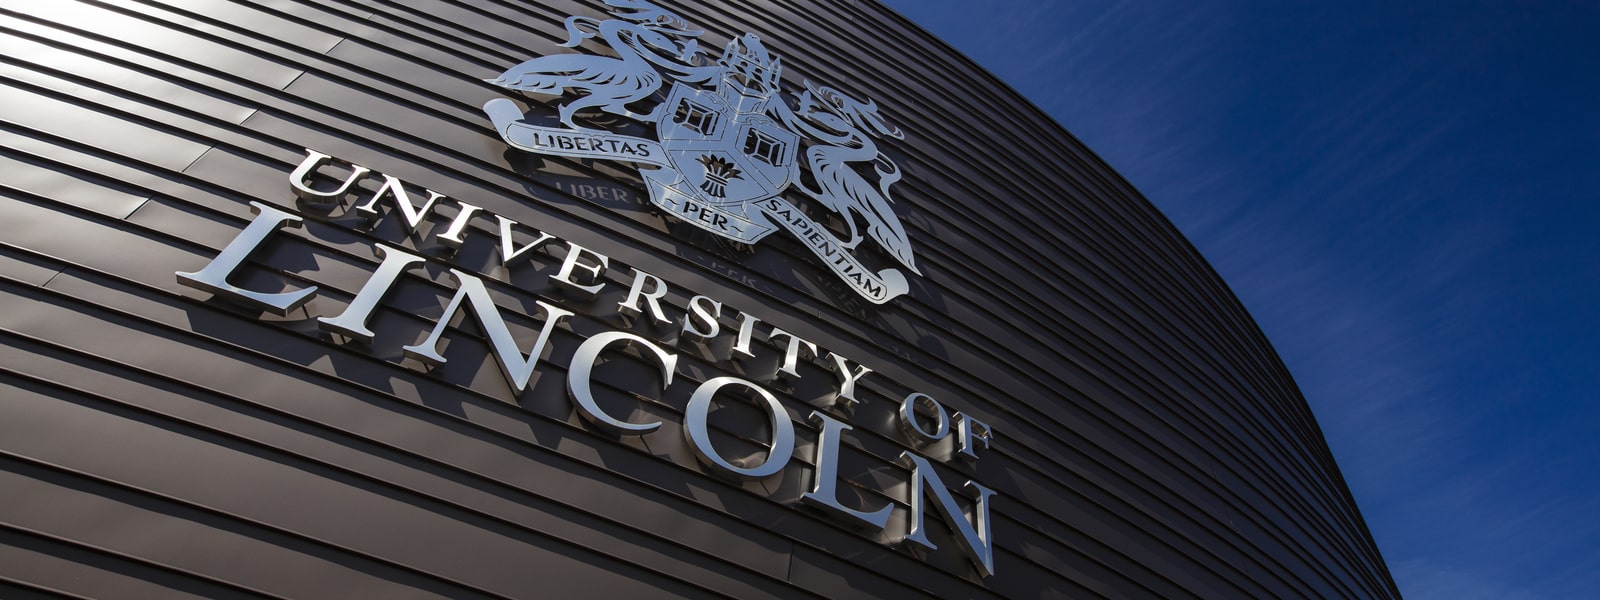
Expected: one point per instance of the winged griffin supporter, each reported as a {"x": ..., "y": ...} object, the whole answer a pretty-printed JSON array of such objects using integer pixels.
[
  {"x": 840, "y": 125},
  {"x": 729, "y": 143},
  {"x": 645, "y": 38}
]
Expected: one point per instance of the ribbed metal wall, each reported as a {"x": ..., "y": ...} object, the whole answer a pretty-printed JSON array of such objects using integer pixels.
[{"x": 155, "y": 442}]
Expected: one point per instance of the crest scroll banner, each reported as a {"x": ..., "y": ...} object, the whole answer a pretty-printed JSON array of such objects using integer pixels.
[
  {"x": 877, "y": 287},
  {"x": 560, "y": 141}
]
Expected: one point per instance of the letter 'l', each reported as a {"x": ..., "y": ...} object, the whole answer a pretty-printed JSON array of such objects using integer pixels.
[
  {"x": 214, "y": 278},
  {"x": 824, "y": 492}
]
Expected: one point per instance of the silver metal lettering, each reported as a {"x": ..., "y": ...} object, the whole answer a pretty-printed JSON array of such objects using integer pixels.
[
  {"x": 913, "y": 428},
  {"x": 847, "y": 378},
  {"x": 297, "y": 180},
  {"x": 747, "y": 328},
  {"x": 452, "y": 236},
  {"x": 578, "y": 380},
  {"x": 508, "y": 249},
  {"x": 402, "y": 199},
  {"x": 975, "y": 538},
  {"x": 824, "y": 492},
  {"x": 352, "y": 323},
  {"x": 698, "y": 432},
  {"x": 790, "y": 369},
  {"x": 630, "y": 306},
  {"x": 564, "y": 278},
  {"x": 702, "y": 318},
  {"x": 517, "y": 368},
  {"x": 971, "y": 432},
  {"x": 214, "y": 277}
]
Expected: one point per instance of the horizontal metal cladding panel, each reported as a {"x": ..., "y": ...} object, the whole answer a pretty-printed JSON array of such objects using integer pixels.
[{"x": 158, "y": 441}]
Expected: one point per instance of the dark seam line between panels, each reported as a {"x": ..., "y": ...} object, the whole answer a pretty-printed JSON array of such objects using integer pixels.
[
  {"x": 125, "y": 557},
  {"x": 8, "y": 456},
  {"x": 36, "y": 588}
]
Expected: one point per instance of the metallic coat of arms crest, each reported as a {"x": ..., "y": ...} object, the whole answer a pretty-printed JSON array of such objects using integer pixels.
[{"x": 729, "y": 144}]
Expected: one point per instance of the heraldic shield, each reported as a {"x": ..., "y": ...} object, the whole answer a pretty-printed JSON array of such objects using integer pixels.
[{"x": 725, "y": 154}]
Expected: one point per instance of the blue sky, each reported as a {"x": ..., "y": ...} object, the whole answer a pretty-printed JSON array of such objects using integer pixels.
[{"x": 1406, "y": 196}]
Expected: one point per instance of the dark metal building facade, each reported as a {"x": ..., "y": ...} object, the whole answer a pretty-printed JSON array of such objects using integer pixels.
[{"x": 159, "y": 441}]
